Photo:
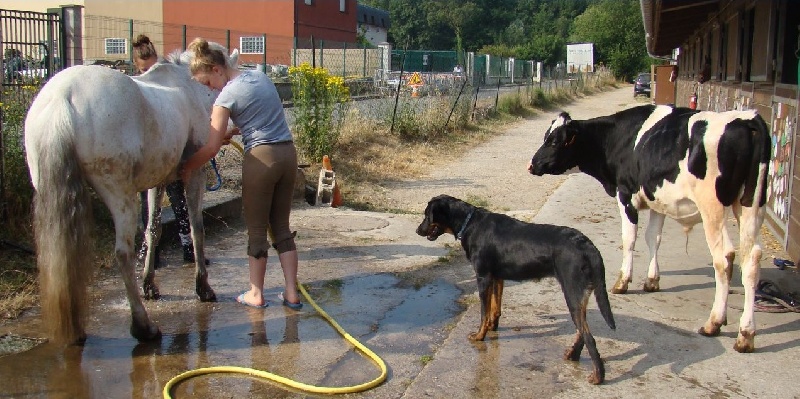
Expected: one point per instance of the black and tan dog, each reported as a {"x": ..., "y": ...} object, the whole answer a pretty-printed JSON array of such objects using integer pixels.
[{"x": 503, "y": 248}]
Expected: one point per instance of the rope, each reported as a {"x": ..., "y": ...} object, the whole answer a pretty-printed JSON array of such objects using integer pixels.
[
  {"x": 216, "y": 172},
  {"x": 286, "y": 381},
  {"x": 770, "y": 304}
]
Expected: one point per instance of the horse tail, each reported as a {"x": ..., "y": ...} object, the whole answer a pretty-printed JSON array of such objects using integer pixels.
[{"x": 62, "y": 220}]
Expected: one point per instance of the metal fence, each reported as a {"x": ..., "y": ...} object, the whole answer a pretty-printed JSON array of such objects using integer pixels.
[{"x": 30, "y": 46}]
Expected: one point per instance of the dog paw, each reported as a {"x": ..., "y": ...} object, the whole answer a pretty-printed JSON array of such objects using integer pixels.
[
  {"x": 476, "y": 336},
  {"x": 596, "y": 379},
  {"x": 572, "y": 354}
]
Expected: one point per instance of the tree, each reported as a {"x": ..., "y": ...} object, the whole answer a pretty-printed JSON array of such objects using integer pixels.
[{"x": 615, "y": 27}]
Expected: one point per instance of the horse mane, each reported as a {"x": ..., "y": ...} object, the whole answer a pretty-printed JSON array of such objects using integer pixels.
[{"x": 179, "y": 57}]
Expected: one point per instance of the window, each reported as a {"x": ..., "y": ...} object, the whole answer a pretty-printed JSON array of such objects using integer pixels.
[
  {"x": 733, "y": 38},
  {"x": 789, "y": 43},
  {"x": 115, "y": 45},
  {"x": 342, "y": 5},
  {"x": 252, "y": 44},
  {"x": 761, "y": 56},
  {"x": 308, "y": 2}
]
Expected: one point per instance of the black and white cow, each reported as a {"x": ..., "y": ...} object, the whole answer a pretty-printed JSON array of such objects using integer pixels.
[{"x": 686, "y": 164}]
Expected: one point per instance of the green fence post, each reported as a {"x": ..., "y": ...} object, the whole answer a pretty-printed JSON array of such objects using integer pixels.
[
  {"x": 294, "y": 49},
  {"x": 130, "y": 40},
  {"x": 184, "y": 37},
  {"x": 364, "y": 64},
  {"x": 228, "y": 39},
  {"x": 321, "y": 51},
  {"x": 344, "y": 60},
  {"x": 264, "y": 57}
]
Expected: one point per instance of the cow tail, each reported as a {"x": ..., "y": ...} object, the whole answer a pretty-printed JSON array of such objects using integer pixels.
[
  {"x": 756, "y": 184},
  {"x": 62, "y": 215},
  {"x": 600, "y": 291}
]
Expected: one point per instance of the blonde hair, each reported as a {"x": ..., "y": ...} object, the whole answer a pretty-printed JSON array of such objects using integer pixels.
[
  {"x": 206, "y": 56},
  {"x": 143, "y": 48}
]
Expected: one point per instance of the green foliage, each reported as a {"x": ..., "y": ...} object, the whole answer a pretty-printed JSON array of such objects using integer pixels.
[
  {"x": 18, "y": 187},
  {"x": 510, "y": 104},
  {"x": 320, "y": 105},
  {"x": 623, "y": 50}
]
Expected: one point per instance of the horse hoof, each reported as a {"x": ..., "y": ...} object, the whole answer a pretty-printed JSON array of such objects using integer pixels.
[
  {"x": 651, "y": 285},
  {"x": 151, "y": 293},
  {"x": 144, "y": 333},
  {"x": 207, "y": 296},
  {"x": 744, "y": 342}
]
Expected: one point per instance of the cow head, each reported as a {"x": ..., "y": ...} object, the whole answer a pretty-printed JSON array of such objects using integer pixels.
[{"x": 558, "y": 152}]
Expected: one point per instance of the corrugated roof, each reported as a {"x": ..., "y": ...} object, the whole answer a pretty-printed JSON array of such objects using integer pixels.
[{"x": 669, "y": 23}]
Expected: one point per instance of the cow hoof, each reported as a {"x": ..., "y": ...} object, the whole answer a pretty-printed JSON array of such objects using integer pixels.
[
  {"x": 712, "y": 331},
  {"x": 744, "y": 342},
  {"x": 620, "y": 287},
  {"x": 651, "y": 285}
]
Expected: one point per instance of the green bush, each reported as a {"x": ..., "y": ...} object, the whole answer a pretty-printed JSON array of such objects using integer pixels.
[
  {"x": 18, "y": 189},
  {"x": 321, "y": 102}
]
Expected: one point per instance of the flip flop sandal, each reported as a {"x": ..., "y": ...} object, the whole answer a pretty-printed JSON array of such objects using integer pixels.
[{"x": 293, "y": 306}]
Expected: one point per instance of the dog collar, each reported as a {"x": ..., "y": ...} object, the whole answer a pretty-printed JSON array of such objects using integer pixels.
[{"x": 464, "y": 226}]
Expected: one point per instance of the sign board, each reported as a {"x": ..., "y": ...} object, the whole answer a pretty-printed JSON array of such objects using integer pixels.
[
  {"x": 580, "y": 57},
  {"x": 415, "y": 79}
]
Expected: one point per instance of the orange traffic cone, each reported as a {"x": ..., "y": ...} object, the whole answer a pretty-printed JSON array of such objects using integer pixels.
[{"x": 337, "y": 197}]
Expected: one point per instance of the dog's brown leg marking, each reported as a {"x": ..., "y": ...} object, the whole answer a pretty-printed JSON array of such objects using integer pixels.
[
  {"x": 574, "y": 352},
  {"x": 486, "y": 309},
  {"x": 496, "y": 305},
  {"x": 595, "y": 379}
]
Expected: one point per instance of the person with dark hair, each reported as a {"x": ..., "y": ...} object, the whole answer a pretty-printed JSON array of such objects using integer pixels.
[
  {"x": 144, "y": 57},
  {"x": 251, "y": 101}
]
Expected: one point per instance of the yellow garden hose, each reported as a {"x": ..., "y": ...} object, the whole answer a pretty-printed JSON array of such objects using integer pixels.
[
  {"x": 288, "y": 382},
  {"x": 283, "y": 380},
  {"x": 237, "y": 146}
]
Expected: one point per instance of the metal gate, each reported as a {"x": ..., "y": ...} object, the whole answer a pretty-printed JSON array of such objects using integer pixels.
[
  {"x": 32, "y": 46},
  {"x": 32, "y": 49}
]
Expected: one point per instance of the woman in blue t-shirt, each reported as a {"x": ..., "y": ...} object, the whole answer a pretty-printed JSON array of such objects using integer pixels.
[{"x": 269, "y": 169}]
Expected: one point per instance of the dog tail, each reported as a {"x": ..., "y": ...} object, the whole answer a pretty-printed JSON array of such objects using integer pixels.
[{"x": 600, "y": 291}]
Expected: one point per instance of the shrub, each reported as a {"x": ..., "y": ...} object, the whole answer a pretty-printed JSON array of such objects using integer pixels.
[
  {"x": 16, "y": 179},
  {"x": 320, "y": 105}
]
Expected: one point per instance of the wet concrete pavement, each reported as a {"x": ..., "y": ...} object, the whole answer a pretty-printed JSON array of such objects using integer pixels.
[{"x": 413, "y": 302}]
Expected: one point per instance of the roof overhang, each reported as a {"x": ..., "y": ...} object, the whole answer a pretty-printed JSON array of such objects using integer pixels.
[{"x": 670, "y": 23}]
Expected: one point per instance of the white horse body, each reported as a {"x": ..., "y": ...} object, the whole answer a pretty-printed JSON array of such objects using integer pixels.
[{"x": 95, "y": 125}]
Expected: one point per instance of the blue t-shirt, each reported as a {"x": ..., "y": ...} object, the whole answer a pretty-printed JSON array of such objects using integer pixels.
[{"x": 256, "y": 109}]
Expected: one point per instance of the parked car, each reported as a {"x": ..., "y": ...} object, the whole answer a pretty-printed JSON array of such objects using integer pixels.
[{"x": 642, "y": 85}]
